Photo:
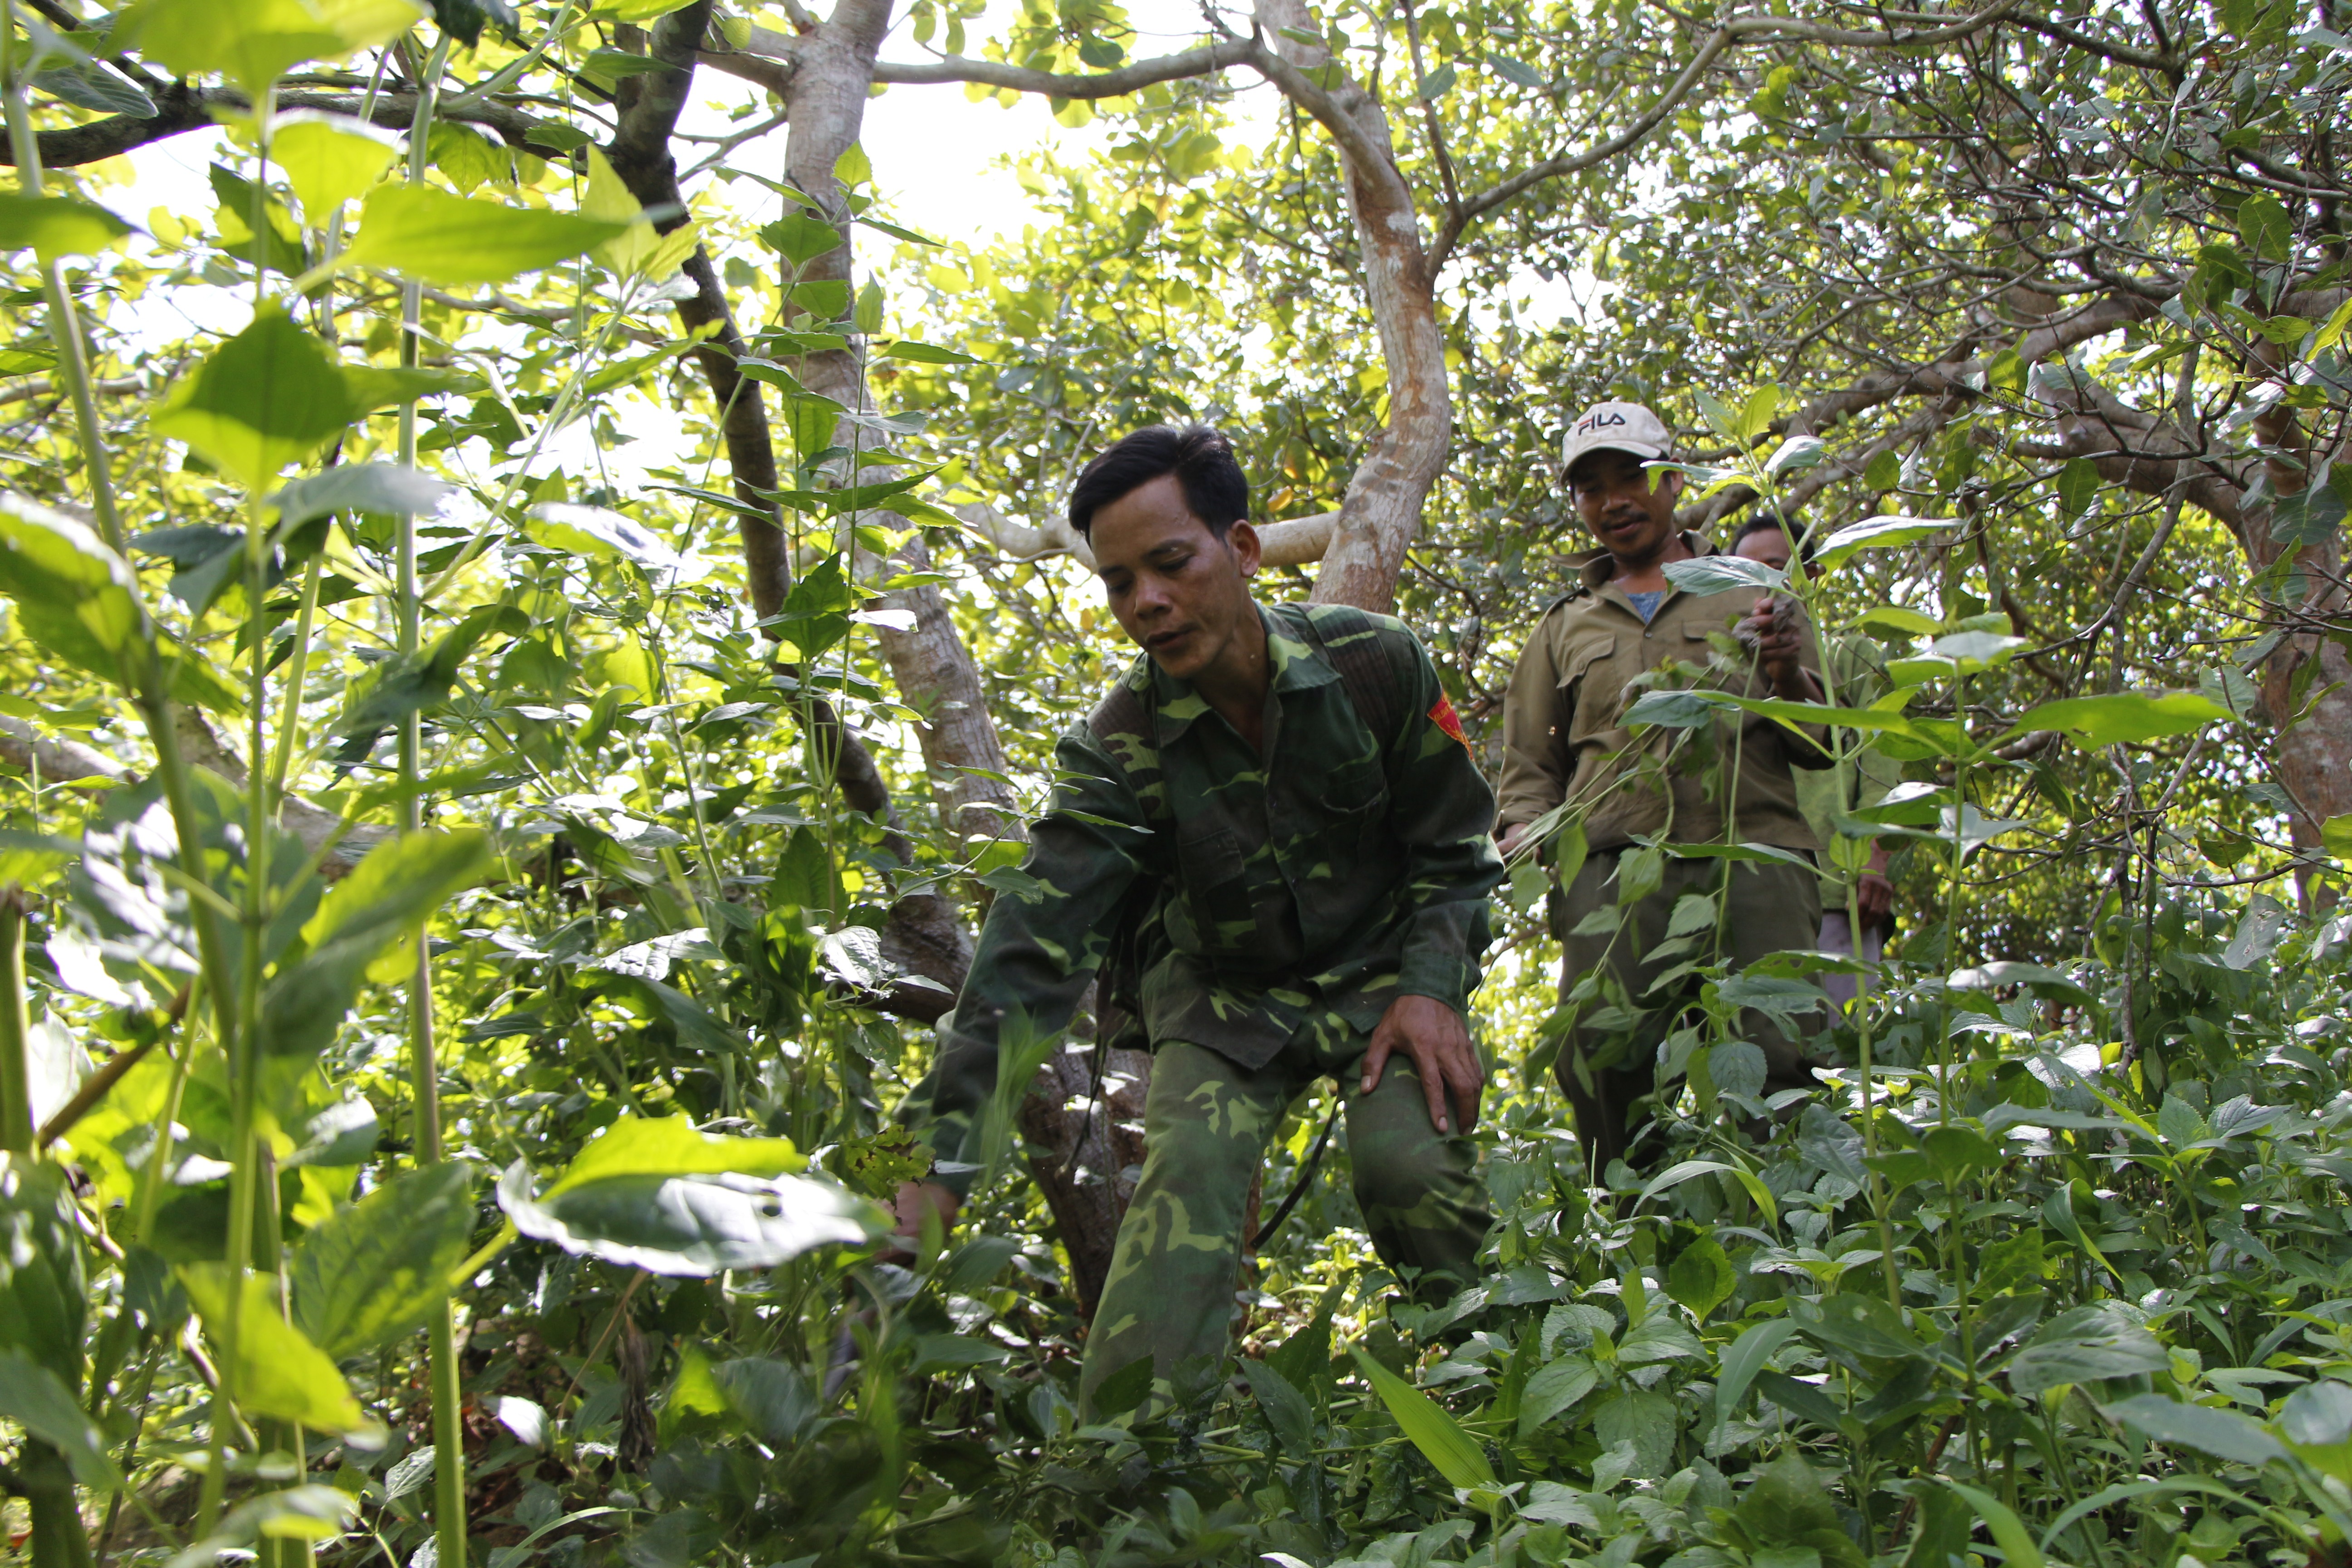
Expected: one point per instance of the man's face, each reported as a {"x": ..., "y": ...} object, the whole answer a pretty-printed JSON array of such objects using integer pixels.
[
  {"x": 1178, "y": 590},
  {"x": 1770, "y": 546},
  {"x": 1633, "y": 518}
]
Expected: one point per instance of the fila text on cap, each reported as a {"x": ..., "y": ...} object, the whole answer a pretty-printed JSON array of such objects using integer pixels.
[{"x": 1615, "y": 427}]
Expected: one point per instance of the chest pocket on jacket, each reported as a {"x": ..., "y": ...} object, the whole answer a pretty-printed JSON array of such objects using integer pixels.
[
  {"x": 1353, "y": 801},
  {"x": 1585, "y": 690}
]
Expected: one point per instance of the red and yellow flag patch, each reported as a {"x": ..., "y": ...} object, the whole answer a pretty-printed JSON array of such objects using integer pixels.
[{"x": 1443, "y": 715}]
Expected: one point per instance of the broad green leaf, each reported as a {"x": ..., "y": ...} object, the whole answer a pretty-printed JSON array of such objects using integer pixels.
[
  {"x": 770, "y": 1397},
  {"x": 2335, "y": 837},
  {"x": 1725, "y": 575},
  {"x": 1556, "y": 1387},
  {"x": 328, "y": 161},
  {"x": 2017, "y": 1545},
  {"x": 377, "y": 1269},
  {"x": 604, "y": 534},
  {"x": 1287, "y": 1411},
  {"x": 43, "y": 1305},
  {"x": 75, "y": 598},
  {"x": 55, "y": 226},
  {"x": 1439, "y": 1437},
  {"x": 1744, "y": 1360},
  {"x": 1877, "y": 533},
  {"x": 254, "y": 42},
  {"x": 639, "y": 249},
  {"x": 385, "y": 487},
  {"x": 669, "y": 1146},
  {"x": 87, "y": 84},
  {"x": 2224, "y": 1433},
  {"x": 393, "y": 892},
  {"x": 2126, "y": 718},
  {"x": 689, "y": 1224},
  {"x": 1512, "y": 71},
  {"x": 427, "y": 233},
  {"x": 38, "y": 1400},
  {"x": 925, "y": 353},
  {"x": 272, "y": 396},
  {"x": 2087, "y": 1344},
  {"x": 801, "y": 238},
  {"x": 2265, "y": 225},
  {"x": 1702, "y": 1277},
  {"x": 279, "y": 1371}
]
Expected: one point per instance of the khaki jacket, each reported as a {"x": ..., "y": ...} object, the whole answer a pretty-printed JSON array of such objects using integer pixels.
[{"x": 1562, "y": 738}]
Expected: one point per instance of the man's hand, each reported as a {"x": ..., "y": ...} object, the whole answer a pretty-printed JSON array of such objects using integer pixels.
[
  {"x": 1512, "y": 834},
  {"x": 1771, "y": 628},
  {"x": 914, "y": 1199},
  {"x": 1874, "y": 901},
  {"x": 1433, "y": 1035}
]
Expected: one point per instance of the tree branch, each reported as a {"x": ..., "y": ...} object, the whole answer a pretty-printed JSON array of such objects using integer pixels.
[{"x": 181, "y": 108}]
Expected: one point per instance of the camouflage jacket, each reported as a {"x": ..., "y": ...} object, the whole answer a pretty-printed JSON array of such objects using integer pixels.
[{"x": 1305, "y": 889}]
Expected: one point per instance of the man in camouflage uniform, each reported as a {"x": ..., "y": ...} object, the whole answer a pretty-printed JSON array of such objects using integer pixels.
[
  {"x": 1284, "y": 793},
  {"x": 1565, "y": 742}
]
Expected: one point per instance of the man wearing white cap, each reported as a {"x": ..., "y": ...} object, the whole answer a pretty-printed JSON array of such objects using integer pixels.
[{"x": 1628, "y": 941}]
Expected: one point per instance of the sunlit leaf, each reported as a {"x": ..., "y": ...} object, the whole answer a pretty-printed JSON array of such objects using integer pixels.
[
  {"x": 55, "y": 226},
  {"x": 2123, "y": 717},
  {"x": 423, "y": 233},
  {"x": 279, "y": 1371},
  {"x": 254, "y": 42},
  {"x": 329, "y": 161},
  {"x": 377, "y": 1270},
  {"x": 1439, "y": 1437}
]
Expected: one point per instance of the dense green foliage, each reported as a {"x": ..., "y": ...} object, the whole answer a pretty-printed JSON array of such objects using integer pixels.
[{"x": 449, "y": 1003}]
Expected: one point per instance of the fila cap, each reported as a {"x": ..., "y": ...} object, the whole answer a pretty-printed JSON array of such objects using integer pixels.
[{"x": 1615, "y": 427}]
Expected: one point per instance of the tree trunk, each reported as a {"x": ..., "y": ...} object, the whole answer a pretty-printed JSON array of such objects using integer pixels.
[{"x": 1380, "y": 518}]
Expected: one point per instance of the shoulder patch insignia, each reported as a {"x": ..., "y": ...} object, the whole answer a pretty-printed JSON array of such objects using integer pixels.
[{"x": 1441, "y": 714}]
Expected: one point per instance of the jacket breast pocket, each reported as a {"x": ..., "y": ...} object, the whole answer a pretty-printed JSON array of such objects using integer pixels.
[
  {"x": 1209, "y": 859},
  {"x": 1586, "y": 692}
]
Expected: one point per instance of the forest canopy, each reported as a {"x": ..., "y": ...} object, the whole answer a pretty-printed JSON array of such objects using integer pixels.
[{"x": 474, "y": 893}]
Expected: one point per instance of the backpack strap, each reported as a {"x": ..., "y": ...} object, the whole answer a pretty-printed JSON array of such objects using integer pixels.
[{"x": 1373, "y": 658}]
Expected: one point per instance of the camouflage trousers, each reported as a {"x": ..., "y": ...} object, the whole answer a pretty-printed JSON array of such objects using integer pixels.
[{"x": 1207, "y": 1122}]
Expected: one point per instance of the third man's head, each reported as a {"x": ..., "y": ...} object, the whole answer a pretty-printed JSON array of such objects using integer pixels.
[
  {"x": 1629, "y": 508},
  {"x": 1166, "y": 511}
]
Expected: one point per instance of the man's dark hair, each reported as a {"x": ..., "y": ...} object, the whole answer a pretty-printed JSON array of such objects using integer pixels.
[
  {"x": 1764, "y": 520},
  {"x": 1200, "y": 457}
]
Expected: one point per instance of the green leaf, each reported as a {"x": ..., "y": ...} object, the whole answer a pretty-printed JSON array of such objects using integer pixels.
[
  {"x": 1556, "y": 1387},
  {"x": 393, "y": 891},
  {"x": 1437, "y": 83},
  {"x": 271, "y": 395},
  {"x": 55, "y": 226},
  {"x": 2335, "y": 837},
  {"x": 669, "y": 1146},
  {"x": 38, "y": 1400},
  {"x": 770, "y": 1397},
  {"x": 1702, "y": 1277},
  {"x": 329, "y": 161},
  {"x": 75, "y": 598},
  {"x": 279, "y": 1371},
  {"x": 2016, "y": 1542},
  {"x": 42, "y": 1302},
  {"x": 254, "y": 42},
  {"x": 1886, "y": 471},
  {"x": 87, "y": 84},
  {"x": 925, "y": 353},
  {"x": 1865, "y": 1326},
  {"x": 2087, "y": 1344},
  {"x": 1512, "y": 71},
  {"x": 2078, "y": 486},
  {"x": 1724, "y": 574},
  {"x": 689, "y": 1224},
  {"x": 1743, "y": 1361},
  {"x": 2224, "y": 1433},
  {"x": 383, "y": 488},
  {"x": 800, "y": 237},
  {"x": 1877, "y": 533},
  {"x": 1287, "y": 1412},
  {"x": 406, "y": 685},
  {"x": 2264, "y": 227},
  {"x": 1439, "y": 1437},
  {"x": 311, "y": 1512},
  {"x": 600, "y": 533},
  {"x": 375, "y": 1270},
  {"x": 427, "y": 233},
  {"x": 2127, "y": 718}
]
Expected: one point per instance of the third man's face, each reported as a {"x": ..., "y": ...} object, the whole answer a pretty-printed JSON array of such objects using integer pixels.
[
  {"x": 1177, "y": 589},
  {"x": 1630, "y": 511}
]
